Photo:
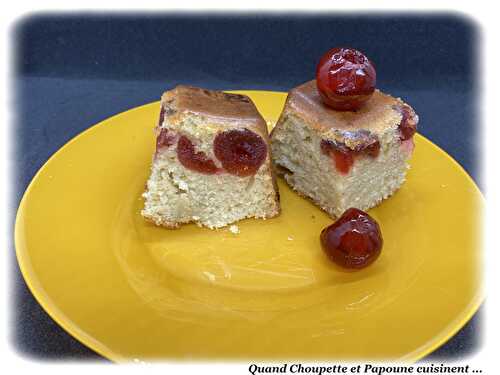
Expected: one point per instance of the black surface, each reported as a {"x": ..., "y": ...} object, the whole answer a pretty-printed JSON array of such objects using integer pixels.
[{"x": 74, "y": 71}]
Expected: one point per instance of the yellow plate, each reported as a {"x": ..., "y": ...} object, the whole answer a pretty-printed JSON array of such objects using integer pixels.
[{"x": 130, "y": 290}]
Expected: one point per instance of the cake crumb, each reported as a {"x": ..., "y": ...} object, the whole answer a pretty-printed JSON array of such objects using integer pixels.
[
  {"x": 290, "y": 238},
  {"x": 234, "y": 229}
]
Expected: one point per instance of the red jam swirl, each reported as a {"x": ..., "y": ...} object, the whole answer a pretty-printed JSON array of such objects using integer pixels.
[
  {"x": 192, "y": 159},
  {"x": 241, "y": 152},
  {"x": 344, "y": 157},
  {"x": 353, "y": 241}
]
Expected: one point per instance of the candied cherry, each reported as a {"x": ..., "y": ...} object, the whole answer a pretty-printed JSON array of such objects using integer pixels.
[
  {"x": 196, "y": 161},
  {"x": 408, "y": 125},
  {"x": 165, "y": 138},
  {"x": 341, "y": 155},
  {"x": 162, "y": 116},
  {"x": 241, "y": 152},
  {"x": 344, "y": 157},
  {"x": 354, "y": 240},
  {"x": 345, "y": 79}
]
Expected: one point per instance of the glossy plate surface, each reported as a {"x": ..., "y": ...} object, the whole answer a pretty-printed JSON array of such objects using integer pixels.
[{"x": 130, "y": 290}]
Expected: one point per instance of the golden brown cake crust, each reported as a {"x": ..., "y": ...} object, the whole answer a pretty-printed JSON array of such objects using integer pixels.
[
  {"x": 378, "y": 114},
  {"x": 216, "y": 106},
  {"x": 211, "y": 103}
]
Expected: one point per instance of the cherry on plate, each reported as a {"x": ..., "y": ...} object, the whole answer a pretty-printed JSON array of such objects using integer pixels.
[{"x": 353, "y": 241}]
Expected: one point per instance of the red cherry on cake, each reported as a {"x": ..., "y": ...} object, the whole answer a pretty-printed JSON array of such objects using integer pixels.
[
  {"x": 162, "y": 116},
  {"x": 408, "y": 125},
  {"x": 241, "y": 152},
  {"x": 196, "y": 161},
  {"x": 344, "y": 157},
  {"x": 345, "y": 79},
  {"x": 165, "y": 138},
  {"x": 354, "y": 240}
]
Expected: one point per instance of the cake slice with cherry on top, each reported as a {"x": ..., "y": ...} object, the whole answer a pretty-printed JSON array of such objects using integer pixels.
[{"x": 341, "y": 142}]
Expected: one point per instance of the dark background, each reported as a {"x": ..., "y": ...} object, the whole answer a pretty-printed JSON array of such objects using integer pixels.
[{"x": 72, "y": 71}]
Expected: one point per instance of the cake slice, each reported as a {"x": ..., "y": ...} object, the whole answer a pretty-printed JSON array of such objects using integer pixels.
[
  {"x": 212, "y": 163},
  {"x": 343, "y": 159}
]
